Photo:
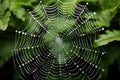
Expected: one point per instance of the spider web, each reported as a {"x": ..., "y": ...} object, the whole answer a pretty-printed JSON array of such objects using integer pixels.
[{"x": 57, "y": 44}]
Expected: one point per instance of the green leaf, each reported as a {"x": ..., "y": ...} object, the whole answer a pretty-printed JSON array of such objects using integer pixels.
[
  {"x": 4, "y": 5},
  {"x": 107, "y": 38},
  {"x": 86, "y": 0},
  {"x": 23, "y": 2},
  {"x": 104, "y": 18},
  {"x": 109, "y": 4},
  {"x": 4, "y": 21},
  {"x": 16, "y": 6},
  {"x": 18, "y": 11}
]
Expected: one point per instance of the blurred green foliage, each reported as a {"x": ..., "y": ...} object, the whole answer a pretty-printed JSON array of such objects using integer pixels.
[
  {"x": 13, "y": 14},
  {"x": 109, "y": 36}
]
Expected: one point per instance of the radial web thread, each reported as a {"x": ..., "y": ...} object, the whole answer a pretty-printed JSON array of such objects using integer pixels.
[{"x": 57, "y": 44}]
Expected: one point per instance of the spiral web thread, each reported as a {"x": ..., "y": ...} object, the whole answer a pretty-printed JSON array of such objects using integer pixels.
[{"x": 79, "y": 61}]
